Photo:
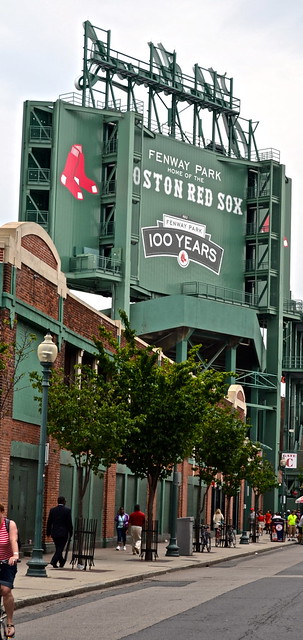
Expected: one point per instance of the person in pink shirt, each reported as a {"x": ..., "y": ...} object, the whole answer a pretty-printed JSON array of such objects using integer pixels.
[{"x": 9, "y": 554}]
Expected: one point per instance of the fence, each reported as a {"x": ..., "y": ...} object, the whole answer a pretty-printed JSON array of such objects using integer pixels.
[
  {"x": 84, "y": 543},
  {"x": 149, "y": 542}
]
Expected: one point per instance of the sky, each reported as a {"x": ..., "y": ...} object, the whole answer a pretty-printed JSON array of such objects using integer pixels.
[{"x": 259, "y": 44}]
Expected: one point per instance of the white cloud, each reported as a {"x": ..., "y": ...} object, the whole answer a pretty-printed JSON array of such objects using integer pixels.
[{"x": 259, "y": 44}]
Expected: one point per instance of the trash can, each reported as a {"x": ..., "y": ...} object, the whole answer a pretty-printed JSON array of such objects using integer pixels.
[
  {"x": 277, "y": 530},
  {"x": 185, "y": 536}
]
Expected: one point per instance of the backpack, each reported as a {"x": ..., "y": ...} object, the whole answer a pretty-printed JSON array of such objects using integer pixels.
[{"x": 7, "y": 521}]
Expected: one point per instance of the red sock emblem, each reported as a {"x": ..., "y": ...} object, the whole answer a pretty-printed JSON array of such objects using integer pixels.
[{"x": 73, "y": 176}]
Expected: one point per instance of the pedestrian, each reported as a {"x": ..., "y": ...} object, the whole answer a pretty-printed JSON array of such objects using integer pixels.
[
  {"x": 300, "y": 526},
  {"x": 136, "y": 522},
  {"x": 292, "y": 525},
  {"x": 261, "y": 522},
  {"x": 60, "y": 528},
  {"x": 9, "y": 555},
  {"x": 218, "y": 522},
  {"x": 121, "y": 520},
  {"x": 268, "y": 518},
  {"x": 252, "y": 522},
  {"x": 218, "y": 519}
]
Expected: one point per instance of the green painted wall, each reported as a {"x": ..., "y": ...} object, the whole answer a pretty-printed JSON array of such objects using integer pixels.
[
  {"x": 75, "y": 223},
  {"x": 183, "y": 181},
  {"x": 24, "y": 406}
]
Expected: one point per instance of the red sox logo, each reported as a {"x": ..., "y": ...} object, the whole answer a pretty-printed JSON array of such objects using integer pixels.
[{"x": 73, "y": 176}]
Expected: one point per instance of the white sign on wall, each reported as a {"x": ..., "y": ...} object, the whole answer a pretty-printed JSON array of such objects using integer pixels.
[{"x": 290, "y": 459}]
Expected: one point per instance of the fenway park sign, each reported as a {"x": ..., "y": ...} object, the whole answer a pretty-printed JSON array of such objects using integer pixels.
[{"x": 183, "y": 239}]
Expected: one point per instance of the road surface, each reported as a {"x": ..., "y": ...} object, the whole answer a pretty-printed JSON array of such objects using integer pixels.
[{"x": 251, "y": 598}]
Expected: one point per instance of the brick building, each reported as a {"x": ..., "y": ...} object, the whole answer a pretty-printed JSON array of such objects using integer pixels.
[{"x": 35, "y": 298}]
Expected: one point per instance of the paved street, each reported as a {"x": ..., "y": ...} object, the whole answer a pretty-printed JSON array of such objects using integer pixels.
[
  {"x": 252, "y": 596},
  {"x": 117, "y": 567}
]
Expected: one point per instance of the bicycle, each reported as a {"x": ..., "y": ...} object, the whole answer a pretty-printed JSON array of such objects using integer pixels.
[
  {"x": 3, "y": 635},
  {"x": 230, "y": 536},
  {"x": 218, "y": 536},
  {"x": 2, "y": 621},
  {"x": 205, "y": 538}
]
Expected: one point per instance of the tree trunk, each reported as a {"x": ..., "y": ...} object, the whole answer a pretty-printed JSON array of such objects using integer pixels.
[
  {"x": 227, "y": 520},
  {"x": 204, "y": 499},
  {"x": 83, "y": 479},
  {"x": 199, "y": 509}
]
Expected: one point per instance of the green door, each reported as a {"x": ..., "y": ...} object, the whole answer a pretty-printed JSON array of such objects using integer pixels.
[{"x": 22, "y": 496}]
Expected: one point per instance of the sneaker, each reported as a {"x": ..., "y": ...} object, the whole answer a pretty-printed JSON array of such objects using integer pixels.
[
  {"x": 80, "y": 566},
  {"x": 124, "y": 548},
  {"x": 118, "y": 548}
]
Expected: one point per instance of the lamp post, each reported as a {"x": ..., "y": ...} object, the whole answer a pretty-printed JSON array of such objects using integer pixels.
[
  {"x": 172, "y": 548},
  {"x": 283, "y": 496},
  {"x": 244, "y": 539},
  {"x": 47, "y": 353}
]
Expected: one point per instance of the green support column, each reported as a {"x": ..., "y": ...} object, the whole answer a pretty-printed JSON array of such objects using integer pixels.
[
  {"x": 123, "y": 215},
  {"x": 172, "y": 547},
  {"x": 275, "y": 340},
  {"x": 231, "y": 362}
]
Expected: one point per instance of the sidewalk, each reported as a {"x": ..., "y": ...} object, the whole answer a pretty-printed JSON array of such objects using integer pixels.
[{"x": 114, "y": 568}]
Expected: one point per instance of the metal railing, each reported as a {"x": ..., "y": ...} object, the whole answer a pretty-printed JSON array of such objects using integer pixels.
[
  {"x": 266, "y": 154},
  {"x": 35, "y": 215},
  {"x": 91, "y": 262},
  {"x": 108, "y": 228},
  {"x": 220, "y": 294},
  {"x": 35, "y": 174},
  {"x": 293, "y": 306},
  {"x": 37, "y": 132},
  {"x": 292, "y": 362},
  {"x": 253, "y": 192},
  {"x": 111, "y": 146},
  {"x": 138, "y": 107},
  {"x": 109, "y": 187},
  {"x": 254, "y": 265},
  {"x": 252, "y": 228},
  {"x": 76, "y": 98}
]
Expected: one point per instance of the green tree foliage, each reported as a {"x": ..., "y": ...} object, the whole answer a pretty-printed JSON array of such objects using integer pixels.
[
  {"x": 260, "y": 474},
  {"x": 167, "y": 401},
  {"x": 220, "y": 449},
  {"x": 85, "y": 419}
]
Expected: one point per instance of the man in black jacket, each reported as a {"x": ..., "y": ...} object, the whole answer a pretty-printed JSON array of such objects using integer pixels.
[{"x": 60, "y": 528}]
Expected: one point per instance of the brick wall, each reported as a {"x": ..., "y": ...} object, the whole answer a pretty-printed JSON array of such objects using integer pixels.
[
  {"x": 83, "y": 320},
  {"x": 37, "y": 291},
  {"x": 37, "y": 247}
]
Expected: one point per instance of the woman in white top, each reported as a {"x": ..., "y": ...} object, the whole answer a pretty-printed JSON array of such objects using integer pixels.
[{"x": 218, "y": 518}]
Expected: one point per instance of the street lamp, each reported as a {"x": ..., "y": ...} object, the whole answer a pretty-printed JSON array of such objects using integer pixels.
[
  {"x": 172, "y": 548},
  {"x": 244, "y": 539},
  {"x": 47, "y": 353},
  {"x": 283, "y": 465}
]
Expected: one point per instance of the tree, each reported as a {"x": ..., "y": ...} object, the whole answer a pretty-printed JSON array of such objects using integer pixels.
[
  {"x": 167, "y": 401},
  {"x": 260, "y": 476},
  {"x": 219, "y": 450},
  {"x": 85, "y": 419},
  {"x": 12, "y": 357}
]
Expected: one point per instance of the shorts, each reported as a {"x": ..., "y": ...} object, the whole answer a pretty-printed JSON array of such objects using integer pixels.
[{"x": 7, "y": 575}]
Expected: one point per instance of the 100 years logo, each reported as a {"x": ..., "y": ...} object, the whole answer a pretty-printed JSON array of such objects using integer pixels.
[{"x": 183, "y": 239}]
